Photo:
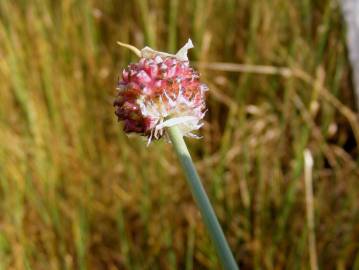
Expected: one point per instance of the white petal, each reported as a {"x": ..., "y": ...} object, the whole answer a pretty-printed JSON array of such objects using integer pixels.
[
  {"x": 147, "y": 52},
  {"x": 176, "y": 121},
  {"x": 194, "y": 136},
  {"x": 182, "y": 53}
]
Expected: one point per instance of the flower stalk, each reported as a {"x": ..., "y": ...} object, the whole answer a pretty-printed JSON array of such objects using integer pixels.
[
  {"x": 162, "y": 96},
  {"x": 214, "y": 229}
]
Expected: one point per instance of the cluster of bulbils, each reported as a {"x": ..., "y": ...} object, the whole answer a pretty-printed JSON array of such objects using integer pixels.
[{"x": 159, "y": 91}]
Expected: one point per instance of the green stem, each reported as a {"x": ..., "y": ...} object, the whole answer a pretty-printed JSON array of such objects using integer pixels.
[{"x": 205, "y": 207}]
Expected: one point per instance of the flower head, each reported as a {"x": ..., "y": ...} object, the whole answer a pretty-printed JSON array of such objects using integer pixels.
[{"x": 159, "y": 91}]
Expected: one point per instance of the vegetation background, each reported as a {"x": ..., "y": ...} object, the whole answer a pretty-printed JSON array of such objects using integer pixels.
[{"x": 77, "y": 193}]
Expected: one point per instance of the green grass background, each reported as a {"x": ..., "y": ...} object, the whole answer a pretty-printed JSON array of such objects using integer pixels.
[{"x": 77, "y": 193}]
